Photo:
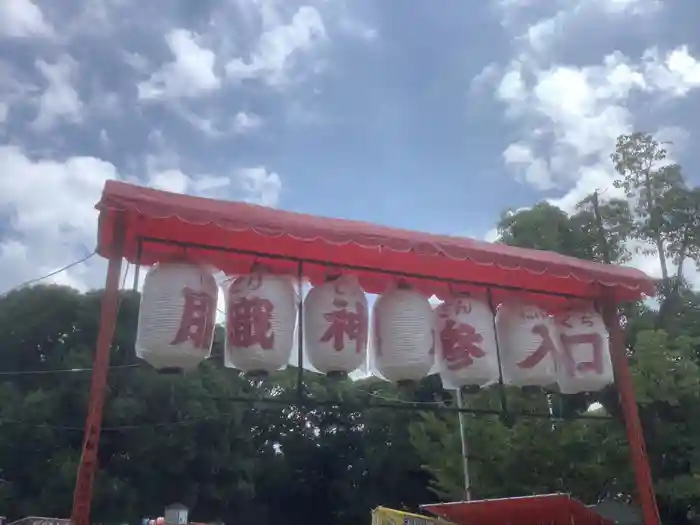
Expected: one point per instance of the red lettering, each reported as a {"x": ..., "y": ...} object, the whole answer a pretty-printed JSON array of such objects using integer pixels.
[
  {"x": 565, "y": 321},
  {"x": 587, "y": 320},
  {"x": 197, "y": 321},
  {"x": 596, "y": 342},
  {"x": 463, "y": 307},
  {"x": 546, "y": 347},
  {"x": 249, "y": 323},
  {"x": 533, "y": 315},
  {"x": 460, "y": 344},
  {"x": 344, "y": 322}
]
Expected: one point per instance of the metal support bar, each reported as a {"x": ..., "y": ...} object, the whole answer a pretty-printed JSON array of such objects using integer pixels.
[
  {"x": 635, "y": 435},
  {"x": 358, "y": 268},
  {"x": 501, "y": 386},
  {"x": 82, "y": 497},
  {"x": 137, "y": 264},
  {"x": 465, "y": 447},
  {"x": 300, "y": 334}
]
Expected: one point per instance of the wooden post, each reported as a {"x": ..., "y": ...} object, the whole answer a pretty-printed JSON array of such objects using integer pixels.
[
  {"x": 630, "y": 413},
  {"x": 82, "y": 496}
]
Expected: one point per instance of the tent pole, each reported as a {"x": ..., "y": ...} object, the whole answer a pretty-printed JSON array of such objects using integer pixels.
[
  {"x": 628, "y": 401},
  {"x": 465, "y": 447},
  {"x": 82, "y": 495}
]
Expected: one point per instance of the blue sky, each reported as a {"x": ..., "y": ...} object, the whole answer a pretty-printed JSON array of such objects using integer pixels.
[{"x": 426, "y": 115}]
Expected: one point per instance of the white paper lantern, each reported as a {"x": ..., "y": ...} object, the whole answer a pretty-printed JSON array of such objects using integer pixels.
[
  {"x": 261, "y": 315},
  {"x": 467, "y": 353},
  {"x": 403, "y": 335},
  {"x": 177, "y": 316},
  {"x": 336, "y": 321},
  {"x": 529, "y": 345},
  {"x": 585, "y": 364}
]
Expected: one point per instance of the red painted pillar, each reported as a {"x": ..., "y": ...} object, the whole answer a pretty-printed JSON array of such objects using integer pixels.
[
  {"x": 635, "y": 437},
  {"x": 82, "y": 496}
]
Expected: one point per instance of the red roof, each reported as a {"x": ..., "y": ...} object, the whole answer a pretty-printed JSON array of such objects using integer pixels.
[
  {"x": 548, "y": 509},
  {"x": 233, "y": 235}
]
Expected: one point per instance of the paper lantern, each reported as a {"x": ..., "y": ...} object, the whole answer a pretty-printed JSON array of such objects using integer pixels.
[
  {"x": 335, "y": 326},
  {"x": 585, "y": 364},
  {"x": 466, "y": 343},
  {"x": 403, "y": 335},
  {"x": 527, "y": 339},
  {"x": 177, "y": 316},
  {"x": 261, "y": 315}
]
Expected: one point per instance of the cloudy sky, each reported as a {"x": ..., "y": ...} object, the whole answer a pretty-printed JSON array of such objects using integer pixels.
[{"x": 421, "y": 114}]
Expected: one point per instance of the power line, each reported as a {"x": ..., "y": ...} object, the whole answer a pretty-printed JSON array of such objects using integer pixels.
[
  {"x": 44, "y": 277},
  {"x": 62, "y": 370},
  {"x": 13, "y": 373},
  {"x": 119, "y": 428}
]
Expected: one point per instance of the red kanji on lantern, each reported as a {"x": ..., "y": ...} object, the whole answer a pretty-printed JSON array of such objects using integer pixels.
[
  {"x": 596, "y": 343},
  {"x": 197, "y": 321},
  {"x": 460, "y": 344},
  {"x": 344, "y": 322},
  {"x": 249, "y": 323},
  {"x": 585, "y": 319},
  {"x": 546, "y": 348}
]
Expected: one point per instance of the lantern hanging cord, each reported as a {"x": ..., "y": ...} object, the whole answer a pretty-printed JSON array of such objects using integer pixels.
[{"x": 48, "y": 275}]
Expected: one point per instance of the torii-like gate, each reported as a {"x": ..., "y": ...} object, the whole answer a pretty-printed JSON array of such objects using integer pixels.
[{"x": 145, "y": 226}]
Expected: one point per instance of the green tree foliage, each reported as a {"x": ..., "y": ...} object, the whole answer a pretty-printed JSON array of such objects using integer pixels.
[
  {"x": 186, "y": 439},
  {"x": 659, "y": 216}
]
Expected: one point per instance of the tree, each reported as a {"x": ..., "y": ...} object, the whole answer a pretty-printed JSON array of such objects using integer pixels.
[
  {"x": 185, "y": 438},
  {"x": 606, "y": 227},
  {"x": 647, "y": 177},
  {"x": 543, "y": 227}
]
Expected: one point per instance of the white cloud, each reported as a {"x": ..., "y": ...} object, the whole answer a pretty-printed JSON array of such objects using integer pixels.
[
  {"x": 260, "y": 185},
  {"x": 245, "y": 122},
  {"x": 533, "y": 170},
  {"x": 542, "y": 35},
  {"x": 278, "y": 47},
  {"x": 52, "y": 219},
  {"x": 46, "y": 232},
  {"x": 570, "y": 115},
  {"x": 190, "y": 74},
  {"x": 22, "y": 18},
  {"x": 677, "y": 73},
  {"x": 60, "y": 100},
  {"x": 512, "y": 87},
  {"x": 573, "y": 115},
  {"x": 634, "y": 7}
]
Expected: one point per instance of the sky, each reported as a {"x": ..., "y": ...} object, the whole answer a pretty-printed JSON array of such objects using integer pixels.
[{"x": 435, "y": 116}]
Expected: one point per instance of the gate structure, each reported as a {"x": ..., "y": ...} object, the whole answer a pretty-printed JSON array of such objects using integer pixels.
[{"x": 145, "y": 226}]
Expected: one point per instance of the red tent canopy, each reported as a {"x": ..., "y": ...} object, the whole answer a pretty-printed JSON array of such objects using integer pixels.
[
  {"x": 233, "y": 236},
  {"x": 548, "y": 509}
]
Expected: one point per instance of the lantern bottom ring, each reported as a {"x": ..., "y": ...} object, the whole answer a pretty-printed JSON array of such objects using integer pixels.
[{"x": 337, "y": 374}]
